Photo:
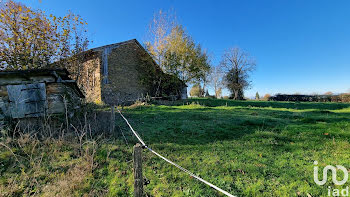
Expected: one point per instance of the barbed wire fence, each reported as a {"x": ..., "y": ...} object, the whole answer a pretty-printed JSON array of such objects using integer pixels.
[{"x": 138, "y": 165}]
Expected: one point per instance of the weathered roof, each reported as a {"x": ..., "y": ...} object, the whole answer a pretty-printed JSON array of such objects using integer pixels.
[
  {"x": 115, "y": 45},
  {"x": 132, "y": 41},
  {"x": 61, "y": 75}
]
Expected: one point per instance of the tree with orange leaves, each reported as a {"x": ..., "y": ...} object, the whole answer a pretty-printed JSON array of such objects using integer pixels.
[{"x": 31, "y": 39}]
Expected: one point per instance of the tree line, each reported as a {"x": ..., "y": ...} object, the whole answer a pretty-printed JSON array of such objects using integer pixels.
[
  {"x": 178, "y": 54},
  {"x": 30, "y": 38}
]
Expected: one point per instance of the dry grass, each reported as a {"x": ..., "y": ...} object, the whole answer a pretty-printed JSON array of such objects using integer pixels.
[
  {"x": 65, "y": 184},
  {"x": 53, "y": 167},
  {"x": 48, "y": 159}
]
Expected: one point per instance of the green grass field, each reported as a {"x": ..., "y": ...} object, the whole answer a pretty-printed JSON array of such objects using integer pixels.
[{"x": 249, "y": 148}]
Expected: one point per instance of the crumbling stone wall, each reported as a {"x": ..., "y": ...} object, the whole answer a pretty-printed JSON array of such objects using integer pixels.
[
  {"x": 92, "y": 76},
  {"x": 124, "y": 84},
  {"x": 87, "y": 73},
  {"x": 122, "y": 73}
]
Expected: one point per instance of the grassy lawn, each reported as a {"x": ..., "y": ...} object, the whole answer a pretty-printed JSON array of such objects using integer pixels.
[{"x": 249, "y": 148}]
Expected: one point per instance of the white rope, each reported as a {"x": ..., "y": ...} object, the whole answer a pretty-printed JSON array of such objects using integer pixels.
[
  {"x": 172, "y": 163},
  {"x": 135, "y": 133}
]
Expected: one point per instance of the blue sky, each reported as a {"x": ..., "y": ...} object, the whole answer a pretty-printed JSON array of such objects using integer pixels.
[{"x": 300, "y": 46}]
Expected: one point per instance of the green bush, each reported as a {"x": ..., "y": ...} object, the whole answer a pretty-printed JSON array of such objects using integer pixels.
[{"x": 196, "y": 91}]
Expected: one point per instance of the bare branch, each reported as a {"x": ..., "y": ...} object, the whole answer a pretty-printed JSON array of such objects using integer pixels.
[{"x": 238, "y": 65}]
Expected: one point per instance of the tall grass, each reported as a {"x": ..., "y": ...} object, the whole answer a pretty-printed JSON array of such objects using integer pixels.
[{"x": 50, "y": 156}]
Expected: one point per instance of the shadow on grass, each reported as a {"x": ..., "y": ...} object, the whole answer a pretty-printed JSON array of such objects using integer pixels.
[
  {"x": 208, "y": 125},
  {"x": 274, "y": 104},
  {"x": 264, "y": 150}
]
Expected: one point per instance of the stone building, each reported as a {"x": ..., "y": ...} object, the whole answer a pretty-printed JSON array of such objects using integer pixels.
[{"x": 122, "y": 73}]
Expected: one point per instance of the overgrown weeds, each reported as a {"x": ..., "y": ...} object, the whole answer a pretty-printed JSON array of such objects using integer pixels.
[
  {"x": 49, "y": 158},
  {"x": 51, "y": 167},
  {"x": 247, "y": 148}
]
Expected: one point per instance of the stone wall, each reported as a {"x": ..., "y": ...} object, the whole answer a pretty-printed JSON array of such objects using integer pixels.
[
  {"x": 121, "y": 73},
  {"x": 88, "y": 76},
  {"x": 93, "y": 80},
  {"x": 124, "y": 84}
]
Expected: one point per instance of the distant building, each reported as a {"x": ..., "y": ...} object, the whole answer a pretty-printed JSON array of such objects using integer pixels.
[
  {"x": 122, "y": 73},
  {"x": 34, "y": 93}
]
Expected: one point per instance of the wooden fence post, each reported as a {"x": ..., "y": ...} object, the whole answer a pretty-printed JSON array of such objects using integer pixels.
[
  {"x": 112, "y": 123},
  {"x": 138, "y": 180}
]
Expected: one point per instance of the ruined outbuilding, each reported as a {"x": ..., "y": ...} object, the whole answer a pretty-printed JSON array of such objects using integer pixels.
[
  {"x": 123, "y": 73},
  {"x": 35, "y": 93}
]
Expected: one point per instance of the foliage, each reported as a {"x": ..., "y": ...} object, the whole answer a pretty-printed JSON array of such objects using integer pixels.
[
  {"x": 196, "y": 91},
  {"x": 160, "y": 84},
  {"x": 257, "y": 96},
  {"x": 238, "y": 65},
  {"x": 31, "y": 39},
  {"x": 266, "y": 97},
  {"x": 158, "y": 31},
  {"x": 343, "y": 98},
  {"x": 175, "y": 51},
  {"x": 184, "y": 58},
  {"x": 171, "y": 85},
  {"x": 311, "y": 98}
]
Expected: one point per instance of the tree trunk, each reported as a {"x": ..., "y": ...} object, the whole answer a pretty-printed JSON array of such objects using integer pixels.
[
  {"x": 238, "y": 94},
  {"x": 235, "y": 95}
]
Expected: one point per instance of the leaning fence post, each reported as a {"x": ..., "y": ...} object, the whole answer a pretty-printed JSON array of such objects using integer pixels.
[
  {"x": 112, "y": 123},
  {"x": 138, "y": 180}
]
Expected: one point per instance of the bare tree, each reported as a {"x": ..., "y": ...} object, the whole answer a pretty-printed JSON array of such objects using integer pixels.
[
  {"x": 175, "y": 51},
  {"x": 157, "y": 36},
  {"x": 238, "y": 65},
  {"x": 216, "y": 79},
  {"x": 218, "y": 93}
]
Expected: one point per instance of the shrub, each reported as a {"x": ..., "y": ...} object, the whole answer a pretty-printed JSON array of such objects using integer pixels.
[
  {"x": 266, "y": 97},
  {"x": 196, "y": 91},
  {"x": 345, "y": 97}
]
